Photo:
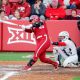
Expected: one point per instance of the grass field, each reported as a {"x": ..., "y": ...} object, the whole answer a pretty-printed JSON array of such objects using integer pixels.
[
  {"x": 16, "y": 56},
  {"x": 76, "y": 78}
]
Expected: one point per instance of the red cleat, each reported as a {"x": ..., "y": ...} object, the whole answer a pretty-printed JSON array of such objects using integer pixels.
[
  {"x": 26, "y": 68},
  {"x": 56, "y": 65}
]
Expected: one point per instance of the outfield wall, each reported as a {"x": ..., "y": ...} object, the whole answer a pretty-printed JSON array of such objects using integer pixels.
[{"x": 12, "y": 38}]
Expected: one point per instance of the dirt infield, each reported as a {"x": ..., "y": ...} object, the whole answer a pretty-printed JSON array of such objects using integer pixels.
[{"x": 39, "y": 71}]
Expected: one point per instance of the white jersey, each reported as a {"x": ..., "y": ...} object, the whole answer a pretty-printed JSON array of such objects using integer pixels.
[{"x": 70, "y": 48}]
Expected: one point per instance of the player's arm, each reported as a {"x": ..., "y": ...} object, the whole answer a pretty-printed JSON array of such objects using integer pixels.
[
  {"x": 27, "y": 28},
  {"x": 38, "y": 24},
  {"x": 59, "y": 43}
]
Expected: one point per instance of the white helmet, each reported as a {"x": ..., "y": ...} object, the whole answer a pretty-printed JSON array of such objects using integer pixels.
[{"x": 65, "y": 34}]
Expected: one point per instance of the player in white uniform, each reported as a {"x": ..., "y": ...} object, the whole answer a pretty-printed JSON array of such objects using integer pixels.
[{"x": 67, "y": 49}]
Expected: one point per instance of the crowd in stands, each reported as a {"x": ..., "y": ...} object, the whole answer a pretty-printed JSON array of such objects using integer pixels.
[{"x": 45, "y": 9}]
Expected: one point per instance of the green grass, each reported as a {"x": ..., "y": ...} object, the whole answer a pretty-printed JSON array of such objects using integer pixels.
[
  {"x": 15, "y": 56},
  {"x": 76, "y": 78}
]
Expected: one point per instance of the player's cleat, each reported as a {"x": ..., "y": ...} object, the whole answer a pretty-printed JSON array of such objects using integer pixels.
[
  {"x": 26, "y": 68},
  {"x": 56, "y": 65}
]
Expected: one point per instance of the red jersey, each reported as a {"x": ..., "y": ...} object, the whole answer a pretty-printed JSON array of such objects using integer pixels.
[
  {"x": 24, "y": 8},
  {"x": 61, "y": 2},
  {"x": 40, "y": 31},
  {"x": 13, "y": 7},
  {"x": 6, "y": 9},
  {"x": 53, "y": 12},
  {"x": 76, "y": 1}
]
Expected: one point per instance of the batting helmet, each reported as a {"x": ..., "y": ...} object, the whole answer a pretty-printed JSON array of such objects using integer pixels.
[
  {"x": 65, "y": 34},
  {"x": 34, "y": 17}
]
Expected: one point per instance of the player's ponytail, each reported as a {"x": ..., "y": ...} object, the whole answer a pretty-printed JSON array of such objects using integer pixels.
[{"x": 73, "y": 42}]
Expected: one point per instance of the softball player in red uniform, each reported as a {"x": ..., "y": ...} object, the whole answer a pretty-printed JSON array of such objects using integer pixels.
[{"x": 43, "y": 42}]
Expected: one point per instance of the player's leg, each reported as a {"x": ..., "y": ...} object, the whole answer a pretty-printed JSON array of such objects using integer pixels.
[
  {"x": 42, "y": 45},
  {"x": 40, "y": 52},
  {"x": 28, "y": 66},
  {"x": 70, "y": 61},
  {"x": 56, "y": 55},
  {"x": 43, "y": 58},
  {"x": 78, "y": 52},
  {"x": 39, "y": 49},
  {"x": 59, "y": 51},
  {"x": 31, "y": 62},
  {"x": 59, "y": 55},
  {"x": 60, "y": 60}
]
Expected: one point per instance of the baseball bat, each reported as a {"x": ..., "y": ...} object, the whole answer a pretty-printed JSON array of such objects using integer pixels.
[
  {"x": 14, "y": 24},
  {"x": 10, "y": 23}
]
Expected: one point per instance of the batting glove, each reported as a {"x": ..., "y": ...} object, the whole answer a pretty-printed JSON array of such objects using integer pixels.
[{"x": 23, "y": 27}]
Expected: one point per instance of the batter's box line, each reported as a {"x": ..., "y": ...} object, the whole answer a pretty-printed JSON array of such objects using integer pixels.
[{"x": 7, "y": 75}]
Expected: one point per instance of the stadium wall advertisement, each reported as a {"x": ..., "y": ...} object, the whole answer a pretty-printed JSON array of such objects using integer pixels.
[{"x": 12, "y": 38}]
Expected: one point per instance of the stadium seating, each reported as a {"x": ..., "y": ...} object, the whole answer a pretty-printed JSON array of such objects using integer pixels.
[{"x": 68, "y": 11}]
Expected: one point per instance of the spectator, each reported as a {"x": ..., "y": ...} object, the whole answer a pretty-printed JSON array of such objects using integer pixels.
[
  {"x": 13, "y": 6},
  {"x": 61, "y": 2},
  {"x": 71, "y": 4},
  {"x": 55, "y": 3},
  {"x": 78, "y": 4},
  {"x": 3, "y": 15},
  {"x": 55, "y": 11},
  {"x": 74, "y": 4},
  {"x": 66, "y": 3},
  {"x": 23, "y": 7},
  {"x": 16, "y": 15},
  {"x": 31, "y": 2},
  {"x": 6, "y": 7},
  {"x": 0, "y": 3},
  {"x": 38, "y": 9},
  {"x": 73, "y": 15},
  {"x": 47, "y": 2}
]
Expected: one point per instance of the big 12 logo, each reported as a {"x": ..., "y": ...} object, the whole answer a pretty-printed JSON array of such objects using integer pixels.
[{"x": 19, "y": 36}]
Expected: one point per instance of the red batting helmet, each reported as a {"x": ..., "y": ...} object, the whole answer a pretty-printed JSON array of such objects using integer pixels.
[{"x": 34, "y": 17}]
